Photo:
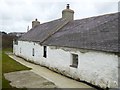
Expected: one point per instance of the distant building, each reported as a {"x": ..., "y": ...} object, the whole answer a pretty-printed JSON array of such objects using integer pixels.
[
  {"x": 83, "y": 49},
  {"x": 18, "y": 34}
]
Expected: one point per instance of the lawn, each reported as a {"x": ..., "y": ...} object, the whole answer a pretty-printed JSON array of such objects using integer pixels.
[{"x": 9, "y": 65}]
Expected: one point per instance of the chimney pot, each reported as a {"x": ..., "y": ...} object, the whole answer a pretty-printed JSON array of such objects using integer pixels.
[{"x": 68, "y": 6}]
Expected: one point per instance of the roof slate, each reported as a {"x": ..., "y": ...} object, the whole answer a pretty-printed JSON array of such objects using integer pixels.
[
  {"x": 97, "y": 33},
  {"x": 42, "y": 31}
]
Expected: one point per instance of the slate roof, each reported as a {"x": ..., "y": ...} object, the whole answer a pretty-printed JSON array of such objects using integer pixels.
[
  {"x": 96, "y": 33},
  {"x": 42, "y": 31}
]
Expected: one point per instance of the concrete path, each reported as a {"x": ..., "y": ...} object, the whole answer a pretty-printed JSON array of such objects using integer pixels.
[
  {"x": 28, "y": 79},
  {"x": 59, "y": 80}
]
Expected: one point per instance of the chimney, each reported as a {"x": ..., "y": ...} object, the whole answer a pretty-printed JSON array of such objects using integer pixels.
[
  {"x": 35, "y": 23},
  {"x": 27, "y": 28},
  {"x": 68, "y": 13}
]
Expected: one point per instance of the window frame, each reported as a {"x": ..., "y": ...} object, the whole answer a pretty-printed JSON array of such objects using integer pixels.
[
  {"x": 73, "y": 64},
  {"x": 33, "y": 52},
  {"x": 20, "y": 49}
]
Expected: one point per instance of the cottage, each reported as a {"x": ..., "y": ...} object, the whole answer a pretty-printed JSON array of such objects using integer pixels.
[{"x": 85, "y": 49}]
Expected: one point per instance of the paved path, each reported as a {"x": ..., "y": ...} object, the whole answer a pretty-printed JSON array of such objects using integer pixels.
[
  {"x": 28, "y": 79},
  {"x": 59, "y": 80}
]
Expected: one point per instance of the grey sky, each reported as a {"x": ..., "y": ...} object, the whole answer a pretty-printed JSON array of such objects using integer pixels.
[{"x": 16, "y": 15}]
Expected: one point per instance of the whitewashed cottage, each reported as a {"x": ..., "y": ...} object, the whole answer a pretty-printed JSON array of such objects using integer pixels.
[{"x": 84, "y": 49}]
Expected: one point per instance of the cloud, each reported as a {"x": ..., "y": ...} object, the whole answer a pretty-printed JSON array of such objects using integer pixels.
[
  {"x": 16, "y": 15},
  {"x": 106, "y": 7}
]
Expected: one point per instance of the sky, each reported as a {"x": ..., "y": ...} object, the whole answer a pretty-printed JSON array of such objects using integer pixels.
[{"x": 17, "y": 15}]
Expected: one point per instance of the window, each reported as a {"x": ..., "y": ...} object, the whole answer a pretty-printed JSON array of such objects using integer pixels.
[
  {"x": 33, "y": 52},
  {"x": 44, "y": 51},
  {"x": 74, "y": 60},
  {"x": 20, "y": 50}
]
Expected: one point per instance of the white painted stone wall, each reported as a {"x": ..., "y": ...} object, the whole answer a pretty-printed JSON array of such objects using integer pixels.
[
  {"x": 98, "y": 68},
  {"x": 26, "y": 51}
]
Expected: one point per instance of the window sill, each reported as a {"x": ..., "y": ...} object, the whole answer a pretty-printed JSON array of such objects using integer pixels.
[
  {"x": 44, "y": 57},
  {"x": 75, "y": 66}
]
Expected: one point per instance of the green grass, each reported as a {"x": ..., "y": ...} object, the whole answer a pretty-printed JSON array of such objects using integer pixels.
[
  {"x": 8, "y": 49},
  {"x": 9, "y": 65}
]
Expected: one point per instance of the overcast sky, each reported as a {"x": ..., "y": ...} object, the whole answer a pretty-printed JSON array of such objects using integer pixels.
[{"x": 16, "y": 15}]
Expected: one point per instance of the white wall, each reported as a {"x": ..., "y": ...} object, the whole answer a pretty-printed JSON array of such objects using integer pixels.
[
  {"x": 98, "y": 68},
  {"x": 26, "y": 51}
]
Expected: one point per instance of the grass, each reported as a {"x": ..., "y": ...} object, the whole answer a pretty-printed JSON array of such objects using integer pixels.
[
  {"x": 9, "y": 65},
  {"x": 7, "y": 49}
]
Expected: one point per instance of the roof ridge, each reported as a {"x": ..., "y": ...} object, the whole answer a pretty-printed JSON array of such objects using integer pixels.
[
  {"x": 96, "y": 17},
  {"x": 57, "y": 29},
  {"x": 100, "y": 23},
  {"x": 50, "y": 21},
  {"x": 102, "y": 15}
]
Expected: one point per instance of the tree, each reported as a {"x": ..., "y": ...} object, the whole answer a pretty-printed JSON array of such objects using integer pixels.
[{"x": 4, "y": 33}]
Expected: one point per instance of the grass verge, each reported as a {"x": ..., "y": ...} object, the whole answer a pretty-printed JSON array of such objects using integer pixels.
[{"x": 9, "y": 65}]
